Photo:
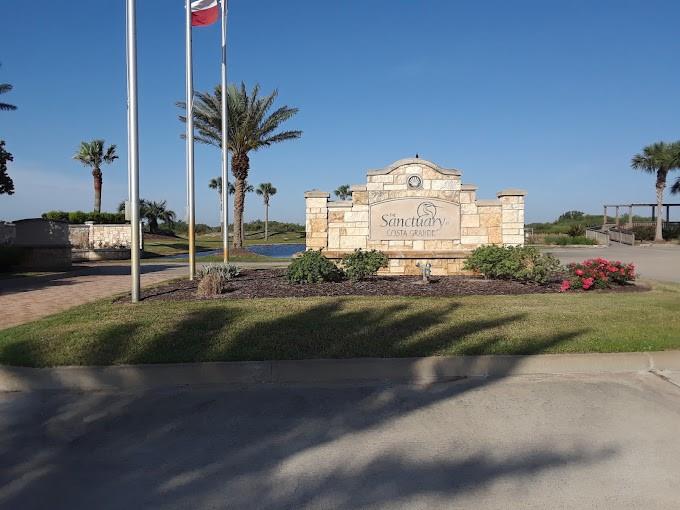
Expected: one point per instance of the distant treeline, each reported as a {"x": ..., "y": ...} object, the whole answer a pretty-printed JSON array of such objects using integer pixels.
[{"x": 180, "y": 227}]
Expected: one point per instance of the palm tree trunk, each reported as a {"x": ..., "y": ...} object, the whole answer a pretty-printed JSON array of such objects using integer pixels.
[
  {"x": 221, "y": 216},
  {"x": 660, "y": 187},
  {"x": 239, "y": 185},
  {"x": 97, "y": 175},
  {"x": 266, "y": 220},
  {"x": 240, "y": 164}
]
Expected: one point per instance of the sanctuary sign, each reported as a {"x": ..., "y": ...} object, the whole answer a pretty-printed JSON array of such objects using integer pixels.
[
  {"x": 416, "y": 213},
  {"x": 414, "y": 218}
]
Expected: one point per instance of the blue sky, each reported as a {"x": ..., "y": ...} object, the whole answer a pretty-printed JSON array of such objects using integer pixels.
[{"x": 550, "y": 96}]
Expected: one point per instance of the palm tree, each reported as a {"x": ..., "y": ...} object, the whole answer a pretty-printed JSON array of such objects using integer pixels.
[
  {"x": 343, "y": 192},
  {"x": 675, "y": 189},
  {"x": 658, "y": 158},
  {"x": 92, "y": 154},
  {"x": 248, "y": 188},
  {"x": 155, "y": 211},
  {"x": 251, "y": 127},
  {"x": 216, "y": 183},
  {"x": 4, "y": 88},
  {"x": 266, "y": 191}
]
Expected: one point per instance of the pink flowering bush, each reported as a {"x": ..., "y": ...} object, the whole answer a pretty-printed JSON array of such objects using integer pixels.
[{"x": 597, "y": 273}]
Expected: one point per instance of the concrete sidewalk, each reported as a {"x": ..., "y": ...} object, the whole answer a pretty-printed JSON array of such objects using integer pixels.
[
  {"x": 428, "y": 370},
  {"x": 30, "y": 298}
]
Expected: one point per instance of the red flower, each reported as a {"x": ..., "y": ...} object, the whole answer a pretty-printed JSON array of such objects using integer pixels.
[
  {"x": 565, "y": 286},
  {"x": 579, "y": 272}
]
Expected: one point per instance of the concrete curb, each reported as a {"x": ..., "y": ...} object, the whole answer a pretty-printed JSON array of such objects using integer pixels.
[{"x": 327, "y": 371}]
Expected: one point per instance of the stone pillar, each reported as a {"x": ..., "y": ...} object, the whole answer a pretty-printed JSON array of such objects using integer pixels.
[
  {"x": 316, "y": 219},
  {"x": 630, "y": 216},
  {"x": 512, "y": 210},
  {"x": 90, "y": 234},
  {"x": 617, "y": 217}
]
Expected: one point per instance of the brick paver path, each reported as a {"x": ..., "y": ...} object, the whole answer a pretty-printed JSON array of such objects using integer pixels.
[{"x": 27, "y": 299}]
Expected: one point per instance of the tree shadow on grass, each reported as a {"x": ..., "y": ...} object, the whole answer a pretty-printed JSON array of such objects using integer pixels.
[{"x": 340, "y": 328}]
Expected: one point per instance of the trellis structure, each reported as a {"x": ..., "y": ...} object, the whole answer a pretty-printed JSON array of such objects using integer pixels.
[{"x": 630, "y": 207}]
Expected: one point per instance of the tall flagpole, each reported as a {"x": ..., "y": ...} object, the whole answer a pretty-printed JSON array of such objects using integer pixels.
[
  {"x": 133, "y": 143},
  {"x": 225, "y": 138},
  {"x": 190, "y": 145}
]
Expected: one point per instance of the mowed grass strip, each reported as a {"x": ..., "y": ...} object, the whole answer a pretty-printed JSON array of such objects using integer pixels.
[{"x": 258, "y": 329}]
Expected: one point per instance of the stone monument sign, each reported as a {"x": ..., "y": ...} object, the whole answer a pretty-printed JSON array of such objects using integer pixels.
[{"x": 415, "y": 212}]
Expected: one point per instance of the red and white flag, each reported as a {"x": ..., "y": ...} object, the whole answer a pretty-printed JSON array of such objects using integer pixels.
[{"x": 204, "y": 12}]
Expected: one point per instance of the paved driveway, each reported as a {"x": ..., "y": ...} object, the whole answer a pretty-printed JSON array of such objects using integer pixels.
[
  {"x": 30, "y": 298},
  {"x": 522, "y": 442},
  {"x": 653, "y": 262}
]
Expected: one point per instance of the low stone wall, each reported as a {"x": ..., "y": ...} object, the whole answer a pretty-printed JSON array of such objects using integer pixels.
[
  {"x": 94, "y": 254},
  {"x": 8, "y": 233},
  {"x": 40, "y": 245},
  {"x": 95, "y": 236}
]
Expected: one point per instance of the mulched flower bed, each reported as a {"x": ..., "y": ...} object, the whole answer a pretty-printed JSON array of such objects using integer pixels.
[{"x": 262, "y": 283}]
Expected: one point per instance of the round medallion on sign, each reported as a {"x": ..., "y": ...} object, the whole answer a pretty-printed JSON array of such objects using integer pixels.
[{"x": 415, "y": 182}]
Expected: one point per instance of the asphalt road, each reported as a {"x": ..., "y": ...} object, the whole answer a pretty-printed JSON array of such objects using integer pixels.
[
  {"x": 660, "y": 263},
  {"x": 520, "y": 442}
]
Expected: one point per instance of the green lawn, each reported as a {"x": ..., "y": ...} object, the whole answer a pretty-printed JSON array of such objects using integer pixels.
[{"x": 256, "y": 329}]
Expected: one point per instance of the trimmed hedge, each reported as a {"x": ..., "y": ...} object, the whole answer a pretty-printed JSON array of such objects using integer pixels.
[{"x": 78, "y": 217}]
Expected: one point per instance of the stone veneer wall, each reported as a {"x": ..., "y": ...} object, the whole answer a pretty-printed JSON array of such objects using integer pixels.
[
  {"x": 338, "y": 227},
  {"x": 95, "y": 236}
]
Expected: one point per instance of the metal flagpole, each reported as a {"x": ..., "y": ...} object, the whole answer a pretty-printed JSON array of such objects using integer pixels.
[
  {"x": 190, "y": 145},
  {"x": 133, "y": 141},
  {"x": 225, "y": 138}
]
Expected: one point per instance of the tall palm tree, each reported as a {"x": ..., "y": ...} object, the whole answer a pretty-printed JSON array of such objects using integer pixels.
[
  {"x": 4, "y": 88},
  {"x": 93, "y": 154},
  {"x": 658, "y": 158},
  {"x": 155, "y": 211},
  {"x": 343, "y": 192},
  {"x": 216, "y": 183},
  {"x": 266, "y": 191},
  {"x": 252, "y": 126}
]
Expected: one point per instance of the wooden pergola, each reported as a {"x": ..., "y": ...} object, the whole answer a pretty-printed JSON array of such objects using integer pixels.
[{"x": 617, "y": 208}]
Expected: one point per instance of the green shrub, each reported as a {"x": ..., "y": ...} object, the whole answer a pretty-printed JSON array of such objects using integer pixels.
[
  {"x": 313, "y": 267},
  {"x": 566, "y": 240},
  {"x": 360, "y": 264},
  {"x": 577, "y": 230},
  {"x": 521, "y": 263},
  {"x": 79, "y": 217}
]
